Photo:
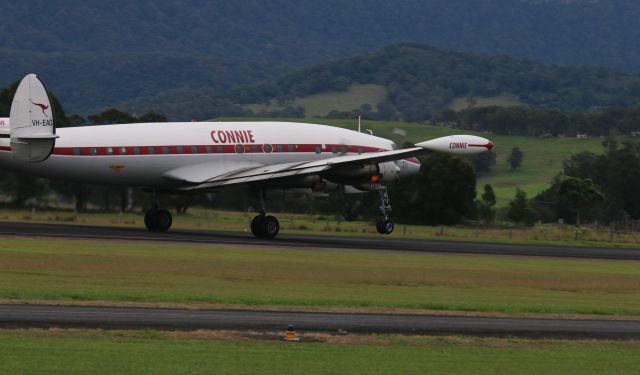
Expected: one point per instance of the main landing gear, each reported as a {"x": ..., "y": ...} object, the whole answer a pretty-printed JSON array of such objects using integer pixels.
[
  {"x": 263, "y": 225},
  {"x": 158, "y": 220},
  {"x": 384, "y": 226}
]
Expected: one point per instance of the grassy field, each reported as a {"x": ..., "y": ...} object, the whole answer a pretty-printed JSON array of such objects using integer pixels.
[
  {"x": 209, "y": 275},
  {"x": 542, "y": 157},
  {"x": 460, "y": 103},
  {"x": 322, "y": 104},
  {"x": 147, "y": 352}
]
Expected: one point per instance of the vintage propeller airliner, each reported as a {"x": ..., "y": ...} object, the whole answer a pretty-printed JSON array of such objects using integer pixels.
[{"x": 204, "y": 156}]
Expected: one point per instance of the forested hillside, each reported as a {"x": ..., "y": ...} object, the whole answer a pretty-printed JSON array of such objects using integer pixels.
[
  {"x": 422, "y": 80},
  {"x": 306, "y": 31},
  {"x": 97, "y": 54},
  {"x": 88, "y": 82}
]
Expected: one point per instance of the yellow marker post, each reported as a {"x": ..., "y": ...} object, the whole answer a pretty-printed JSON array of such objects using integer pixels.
[{"x": 290, "y": 334}]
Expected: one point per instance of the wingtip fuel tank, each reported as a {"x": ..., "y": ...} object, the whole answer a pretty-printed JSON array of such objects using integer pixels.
[{"x": 458, "y": 144}]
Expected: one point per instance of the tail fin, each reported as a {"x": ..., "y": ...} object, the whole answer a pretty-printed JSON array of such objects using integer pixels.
[{"x": 33, "y": 130}]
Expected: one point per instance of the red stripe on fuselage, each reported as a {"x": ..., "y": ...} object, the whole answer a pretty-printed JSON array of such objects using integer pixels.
[{"x": 211, "y": 149}]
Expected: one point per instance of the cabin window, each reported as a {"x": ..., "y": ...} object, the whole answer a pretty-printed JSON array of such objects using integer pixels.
[
  {"x": 267, "y": 148},
  {"x": 360, "y": 150},
  {"x": 123, "y": 150},
  {"x": 334, "y": 149},
  {"x": 151, "y": 150},
  {"x": 291, "y": 148},
  {"x": 76, "y": 151},
  {"x": 136, "y": 150},
  {"x": 93, "y": 151},
  {"x": 179, "y": 150},
  {"x": 165, "y": 149},
  {"x": 318, "y": 150},
  {"x": 343, "y": 149},
  {"x": 279, "y": 148},
  {"x": 220, "y": 149},
  {"x": 209, "y": 149},
  {"x": 194, "y": 149},
  {"x": 239, "y": 148}
]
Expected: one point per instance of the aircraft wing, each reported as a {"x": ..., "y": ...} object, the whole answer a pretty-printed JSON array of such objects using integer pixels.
[
  {"x": 243, "y": 174},
  {"x": 277, "y": 171}
]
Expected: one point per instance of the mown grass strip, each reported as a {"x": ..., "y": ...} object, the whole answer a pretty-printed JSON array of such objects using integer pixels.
[
  {"x": 148, "y": 352},
  {"x": 66, "y": 270}
]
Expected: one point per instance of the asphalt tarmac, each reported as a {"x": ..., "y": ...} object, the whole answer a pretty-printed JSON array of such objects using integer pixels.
[
  {"x": 45, "y": 316},
  {"x": 384, "y": 243}
]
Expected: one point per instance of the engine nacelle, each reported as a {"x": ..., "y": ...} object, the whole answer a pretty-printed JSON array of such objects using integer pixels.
[
  {"x": 388, "y": 172},
  {"x": 364, "y": 173}
]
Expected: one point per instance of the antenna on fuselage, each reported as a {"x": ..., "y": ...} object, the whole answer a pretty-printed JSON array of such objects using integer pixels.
[{"x": 359, "y": 123}]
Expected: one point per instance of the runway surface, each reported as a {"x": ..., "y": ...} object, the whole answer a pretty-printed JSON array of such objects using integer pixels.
[
  {"x": 29, "y": 316},
  {"x": 388, "y": 243}
]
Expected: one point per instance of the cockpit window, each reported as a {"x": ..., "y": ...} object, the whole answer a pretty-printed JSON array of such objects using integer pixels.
[{"x": 394, "y": 146}]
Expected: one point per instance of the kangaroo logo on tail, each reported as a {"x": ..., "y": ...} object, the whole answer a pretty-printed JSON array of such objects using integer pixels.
[{"x": 42, "y": 107}]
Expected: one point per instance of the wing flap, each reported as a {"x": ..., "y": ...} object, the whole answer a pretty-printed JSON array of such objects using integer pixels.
[{"x": 201, "y": 173}]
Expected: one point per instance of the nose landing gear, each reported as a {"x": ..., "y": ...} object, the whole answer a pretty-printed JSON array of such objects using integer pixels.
[{"x": 384, "y": 226}]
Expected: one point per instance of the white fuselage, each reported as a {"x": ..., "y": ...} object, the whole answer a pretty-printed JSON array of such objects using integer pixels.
[{"x": 142, "y": 154}]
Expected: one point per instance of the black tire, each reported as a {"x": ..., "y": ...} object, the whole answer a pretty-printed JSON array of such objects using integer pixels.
[
  {"x": 270, "y": 227},
  {"x": 385, "y": 226},
  {"x": 163, "y": 220},
  {"x": 149, "y": 219},
  {"x": 257, "y": 227}
]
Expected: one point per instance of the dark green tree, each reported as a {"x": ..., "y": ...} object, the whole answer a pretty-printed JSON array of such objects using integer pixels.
[
  {"x": 483, "y": 162},
  {"x": 578, "y": 194},
  {"x": 515, "y": 158},
  {"x": 485, "y": 207},
  {"x": 520, "y": 211},
  {"x": 489, "y": 195},
  {"x": 21, "y": 187},
  {"x": 77, "y": 120},
  {"x": 442, "y": 193},
  {"x": 112, "y": 116},
  {"x": 616, "y": 173},
  {"x": 152, "y": 116}
]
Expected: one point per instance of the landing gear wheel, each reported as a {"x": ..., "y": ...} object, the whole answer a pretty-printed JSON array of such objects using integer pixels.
[
  {"x": 149, "y": 219},
  {"x": 271, "y": 227},
  {"x": 256, "y": 226},
  {"x": 163, "y": 220},
  {"x": 385, "y": 226},
  {"x": 265, "y": 227},
  {"x": 158, "y": 220}
]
